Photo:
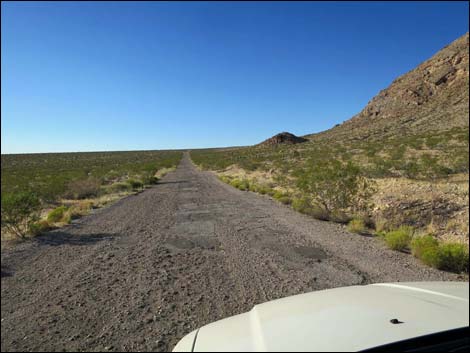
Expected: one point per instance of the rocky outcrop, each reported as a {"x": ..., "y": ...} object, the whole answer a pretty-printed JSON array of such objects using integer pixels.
[
  {"x": 283, "y": 138},
  {"x": 433, "y": 96}
]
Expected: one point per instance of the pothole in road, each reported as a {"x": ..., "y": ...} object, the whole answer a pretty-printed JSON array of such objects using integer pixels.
[
  {"x": 195, "y": 228},
  {"x": 290, "y": 253},
  {"x": 311, "y": 252},
  {"x": 194, "y": 215}
]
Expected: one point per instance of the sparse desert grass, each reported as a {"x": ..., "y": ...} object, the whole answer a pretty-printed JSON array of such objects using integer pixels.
[
  {"x": 357, "y": 225},
  {"x": 50, "y": 174}
]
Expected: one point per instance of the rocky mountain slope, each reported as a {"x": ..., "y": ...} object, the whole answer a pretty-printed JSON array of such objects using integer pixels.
[{"x": 433, "y": 96}]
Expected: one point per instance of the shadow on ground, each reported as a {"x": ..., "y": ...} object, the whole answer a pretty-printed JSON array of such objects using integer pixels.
[
  {"x": 172, "y": 182},
  {"x": 57, "y": 238}
]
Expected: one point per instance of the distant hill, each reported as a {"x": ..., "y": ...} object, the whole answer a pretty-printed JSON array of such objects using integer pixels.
[
  {"x": 285, "y": 138},
  {"x": 432, "y": 97}
]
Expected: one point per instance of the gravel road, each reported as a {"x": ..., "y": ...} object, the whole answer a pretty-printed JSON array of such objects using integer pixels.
[{"x": 145, "y": 271}]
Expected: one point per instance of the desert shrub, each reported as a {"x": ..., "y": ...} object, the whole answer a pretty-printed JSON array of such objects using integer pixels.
[
  {"x": 320, "y": 213},
  {"x": 80, "y": 209},
  {"x": 411, "y": 169},
  {"x": 83, "y": 188},
  {"x": 260, "y": 188},
  {"x": 357, "y": 225},
  {"x": 305, "y": 206},
  {"x": 19, "y": 212},
  {"x": 430, "y": 256},
  {"x": 382, "y": 225},
  {"x": 149, "y": 180},
  {"x": 244, "y": 185},
  {"x": 253, "y": 187},
  {"x": 235, "y": 183},
  {"x": 301, "y": 205},
  {"x": 58, "y": 214},
  {"x": 135, "y": 184},
  {"x": 335, "y": 186},
  {"x": 278, "y": 194},
  {"x": 118, "y": 187},
  {"x": 286, "y": 200},
  {"x": 339, "y": 216},
  {"x": 422, "y": 245},
  {"x": 225, "y": 179},
  {"x": 400, "y": 238},
  {"x": 398, "y": 153},
  {"x": 452, "y": 257},
  {"x": 39, "y": 227},
  {"x": 430, "y": 167}
]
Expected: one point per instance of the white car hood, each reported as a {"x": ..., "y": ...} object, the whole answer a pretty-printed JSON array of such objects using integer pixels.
[{"x": 343, "y": 319}]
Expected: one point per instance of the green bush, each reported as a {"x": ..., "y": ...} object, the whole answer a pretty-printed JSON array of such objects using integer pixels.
[
  {"x": 241, "y": 184},
  {"x": 235, "y": 183},
  {"x": 430, "y": 256},
  {"x": 40, "y": 227},
  {"x": 149, "y": 180},
  {"x": 301, "y": 205},
  {"x": 452, "y": 257},
  {"x": 57, "y": 215},
  {"x": 135, "y": 184},
  {"x": 286, "y": 200},
  {"x": 264, "y": 189},
  {"x": 422, "y": 245},
  {"x": 304, "y": 205},
  {"x": 225, "y": 179},
  {"x": 19, "y": 212},
  {"x": 357, "y": 225},
  {"x": 244, "y": 185},
  {"x": 400, "y": 238},
  {"x": 336, "y": 186},
  {"x": 282, "y": 197}
]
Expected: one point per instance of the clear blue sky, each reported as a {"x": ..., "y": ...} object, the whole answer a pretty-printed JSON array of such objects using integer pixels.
[{"x": 131, "y": 76}]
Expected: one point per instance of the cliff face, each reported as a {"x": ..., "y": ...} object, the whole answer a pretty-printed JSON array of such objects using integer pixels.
[{"x": 433, "y": 96}]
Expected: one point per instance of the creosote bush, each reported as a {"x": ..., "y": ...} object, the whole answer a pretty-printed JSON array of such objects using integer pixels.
[
  {"x": 335, "y": 186},
  {"x": 19, "y": 212}
]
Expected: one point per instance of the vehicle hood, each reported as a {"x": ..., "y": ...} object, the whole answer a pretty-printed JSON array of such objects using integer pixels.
[{"x": 343, "y": 319}]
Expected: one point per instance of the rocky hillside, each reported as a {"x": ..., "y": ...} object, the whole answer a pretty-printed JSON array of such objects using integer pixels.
[
  {"x": 433, "y": 96},
  {"x": 283, "y": 138}
]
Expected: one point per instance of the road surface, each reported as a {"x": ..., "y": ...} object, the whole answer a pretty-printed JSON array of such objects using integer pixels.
[{"x": 145, "y": 271}]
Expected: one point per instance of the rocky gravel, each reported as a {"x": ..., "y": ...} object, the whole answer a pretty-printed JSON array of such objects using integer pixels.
[{"x": 142, "y": 273}]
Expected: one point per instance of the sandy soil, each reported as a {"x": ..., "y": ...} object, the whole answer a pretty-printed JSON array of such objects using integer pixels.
[{"x": 145, "y": 271}]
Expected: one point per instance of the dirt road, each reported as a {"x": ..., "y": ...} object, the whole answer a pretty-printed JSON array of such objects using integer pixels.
[{"x": 149, "y": 269}]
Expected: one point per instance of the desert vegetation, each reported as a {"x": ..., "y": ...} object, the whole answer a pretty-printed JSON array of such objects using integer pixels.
[
  {"x": 42, "y": 191},
  {"x": 398, "y": 188}
]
